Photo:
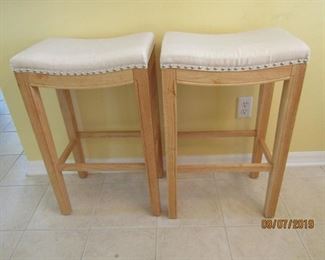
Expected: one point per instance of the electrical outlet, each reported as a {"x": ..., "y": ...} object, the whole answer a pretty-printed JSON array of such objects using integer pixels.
[{"x": 244, "y": 107}]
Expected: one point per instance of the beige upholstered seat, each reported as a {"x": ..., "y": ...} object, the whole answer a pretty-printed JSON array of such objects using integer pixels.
[
  {"x": 238, "y": 51},
  {"x": 68, "y": 56}
]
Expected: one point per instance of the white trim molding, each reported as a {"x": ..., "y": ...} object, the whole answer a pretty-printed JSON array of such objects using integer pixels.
[{"x": 314, "y": 158}]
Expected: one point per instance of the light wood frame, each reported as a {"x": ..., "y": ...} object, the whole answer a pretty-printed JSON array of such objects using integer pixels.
[
  {"x": 145, "y": 85},
  {"x": 292, "y": 75}
]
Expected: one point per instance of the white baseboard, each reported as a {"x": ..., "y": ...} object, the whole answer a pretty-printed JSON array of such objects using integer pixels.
[{"x": 314, "y": 158}]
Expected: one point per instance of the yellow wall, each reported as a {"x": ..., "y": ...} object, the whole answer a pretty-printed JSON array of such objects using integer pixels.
[{"x": 26, "y": 22}]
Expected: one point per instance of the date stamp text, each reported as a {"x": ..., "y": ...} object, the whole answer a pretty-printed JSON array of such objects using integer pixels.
[{"x": 288, "y": 223}]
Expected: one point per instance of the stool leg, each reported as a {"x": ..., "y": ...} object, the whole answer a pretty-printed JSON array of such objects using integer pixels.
[
  {"x": 155, "y": 115},
  {"x": 65, "y": 101},
  {"x": 263, "y": 113},
  {"x": 286, "y": 119},
  {"x": 170, "y": 128},
  {"x": 36, "y": 112},
  {"x": 148, "y": 133}
]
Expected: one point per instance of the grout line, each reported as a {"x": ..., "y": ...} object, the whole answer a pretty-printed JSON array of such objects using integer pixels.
[
  {"x": 10, "y": 168},
  {"x": 140, "y": 227},
  {"x": 212, "y": 226},
  {"x": 303, "y": 244},
  {"x": 91, "y": 218},
  {"x": 223, "y": 217},
  {"x": 22, "y": 185},
  {"x": 11, "y": 230},
  {"x": 11, "y": 154},
  {"x": 296, "y": 230},
  {"x": 8, "y": 131},
  {"x": 86, "y": 243},
  {"x": 104, "y": 229},
  {"x": 4, "y": 128},
  {"x": 38, "y": 204},
  {"x": 157, "y": 221},
  {"x": 98, "y": 228},
  {"x": 29, "y": 221},
  {"x": 55, "y": 229},
  {"x": 18, "y": 185},
  {"x": 7, "y": 154},
  {"x": 17, "y": 243},
  {"x": 283, "y": 202},
  {"x": 156, "y": 241}
]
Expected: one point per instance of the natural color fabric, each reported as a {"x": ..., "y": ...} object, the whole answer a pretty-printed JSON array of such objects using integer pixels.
[
  {"x": 68, "y": 56},
  {"x": 232, "y": 52}
]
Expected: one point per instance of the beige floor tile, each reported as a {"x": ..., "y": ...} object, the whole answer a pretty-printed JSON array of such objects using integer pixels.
[
  {"x": 125, "y": 176},
  {"x": 195, "y": 176},
  {"x": 10, "y": 143},
  {"x": 4, "y": 108},
  {"x": 314, "y": 240},
  {"x": 255, "y": 243},
  {"x": 196, "y": 204},
  {"x": 242, "y": 200},
  {"x": 41, "y": 245},
  {"x": 117, "y": 176},
  {"x": 192, "y": 243},
  {"x": 229, "y": 176},
  {"x": 124, "y": 204},
  {"x": 92, "y": 178},
  {"x": 4, "y": 122},
  {"x": 6, "y": 162},
  {"x": 292, "y": 171},
  {"x": 305, "y": 198},
  {"x": 8, "y": 242},
  {"x": 83, "y": 199},
  {"x": 18, "y": 175},
  {"x": 18, "y": 205},
  {"x": 310, "y": 171},
  {"x": 122, "y": 244},
  {"x": 10, "y": 127}
]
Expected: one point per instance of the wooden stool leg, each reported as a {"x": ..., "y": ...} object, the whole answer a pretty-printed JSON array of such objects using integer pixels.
[
  {"x": 65, "y": 101},
  {"x": 170, "y": 128},
  {"x": 263, "y": 113},
  {"x": 150, "y": 142},
  {"x": 36, "y": 112},
  {"x": 155, "y": 115},
  {"x": 287, "y": 114}
]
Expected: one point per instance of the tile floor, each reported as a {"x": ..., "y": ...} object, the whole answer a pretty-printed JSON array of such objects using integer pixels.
[{"x": 219, "y": 215}]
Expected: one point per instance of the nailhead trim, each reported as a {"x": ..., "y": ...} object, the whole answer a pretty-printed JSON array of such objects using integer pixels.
[
  {"x": 244, "y": 68},
  {"x": 163, "y": 66},
  {"x": 79, "y": 73}
]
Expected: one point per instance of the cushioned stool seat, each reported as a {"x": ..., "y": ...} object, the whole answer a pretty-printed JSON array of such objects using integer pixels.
[
  {"x": 238, "y": 51},
  {"x": 68, "y": 56}
]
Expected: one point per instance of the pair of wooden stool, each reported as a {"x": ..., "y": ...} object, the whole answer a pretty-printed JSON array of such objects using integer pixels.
[{"x": 252, "y": 58}]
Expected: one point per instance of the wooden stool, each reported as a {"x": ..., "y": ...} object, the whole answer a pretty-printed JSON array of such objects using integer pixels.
[
  {"x": 251, "y": 58},
  {"x": 77, "y": 64}
]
